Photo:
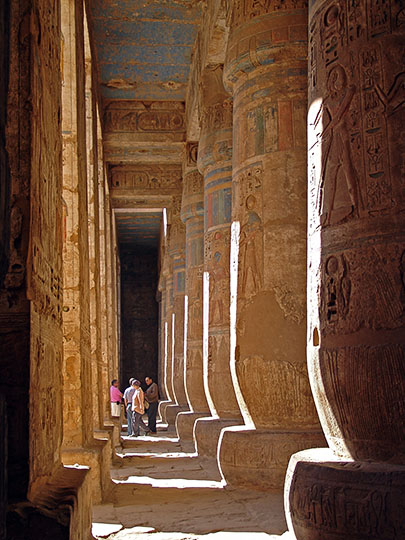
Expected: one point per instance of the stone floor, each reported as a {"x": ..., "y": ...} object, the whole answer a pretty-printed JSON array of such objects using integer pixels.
[{"x": 161, "y": 490}]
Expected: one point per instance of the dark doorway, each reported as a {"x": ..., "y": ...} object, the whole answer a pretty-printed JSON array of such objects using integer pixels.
[
  {"x": 139, "y": 314},
  {"x": 138, "y": 237}
]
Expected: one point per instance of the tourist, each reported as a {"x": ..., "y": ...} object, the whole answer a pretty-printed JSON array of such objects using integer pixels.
[
  {"x": 115, "y": 398},
  {"x": 128, "y": 395},
  {"x": 152, "y": 397},
  {"x": 138, "y": 409}
]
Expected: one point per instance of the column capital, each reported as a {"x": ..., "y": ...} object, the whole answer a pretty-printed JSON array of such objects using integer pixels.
[{"x": 261, "y": 36}]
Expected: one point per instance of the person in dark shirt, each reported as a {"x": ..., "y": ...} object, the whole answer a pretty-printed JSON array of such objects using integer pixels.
[{"x": 152, "y": 397}]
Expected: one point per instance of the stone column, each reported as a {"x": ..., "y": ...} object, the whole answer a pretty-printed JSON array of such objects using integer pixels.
[
  {"x": 177, "y": 241},
  {"x": 168, "y": 350},
  {"x": 79, "y": 445},
  {"x": 265, "y": 70},
  {"x": 192, "y": 214},
  {"x": 356, "y": 268},
  {"x": 215, "y": 163}
]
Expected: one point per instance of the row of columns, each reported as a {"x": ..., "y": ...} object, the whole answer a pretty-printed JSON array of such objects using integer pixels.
[
  {"x": 246, "y": 268},
  {"x": 89, "y": 267}
]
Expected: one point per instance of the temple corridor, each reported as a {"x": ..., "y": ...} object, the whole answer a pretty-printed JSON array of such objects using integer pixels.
[
  {"x": 210, "y": 194},
  {"x": 163, "y": 488}
]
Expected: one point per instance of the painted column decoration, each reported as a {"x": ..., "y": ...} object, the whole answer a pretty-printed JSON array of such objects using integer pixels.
[
  {"x": 356, "y": 286},
  {"x": 215, "y": 163},
  {"x": 192, "y": 214},
  {"x": 266, "y": 71}
]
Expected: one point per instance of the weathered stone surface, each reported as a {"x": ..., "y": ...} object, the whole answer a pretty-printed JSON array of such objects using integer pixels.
[
  {"x": 265, "y": 70},
  {"x": 327, "y": 497},
  {"x": 356, "y": 242},
  {"x": 215, "y": 163},
  {"x": 355, "y": 275},
  {"x": 192, "y": 214}
]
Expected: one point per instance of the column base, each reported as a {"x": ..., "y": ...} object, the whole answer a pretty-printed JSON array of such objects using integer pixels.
[
  {"x": 162, "y": 409},
  {"x": 207, "y": 431},
  {"x": 185, "y": 424},
  {"x": 259, "y": 458},
  {"x": 97, "y": 457},
  {"x": 327, "y": 498},
  {"x": 171, "y": 413}
]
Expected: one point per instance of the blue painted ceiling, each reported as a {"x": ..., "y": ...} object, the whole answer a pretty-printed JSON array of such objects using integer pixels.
[
  {"x": 139, "y": 229},
  {"x": 144, "y": 47}
]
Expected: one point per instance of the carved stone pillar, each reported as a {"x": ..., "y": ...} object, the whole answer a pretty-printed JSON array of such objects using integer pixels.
[
  {"x": 356, "y": 268},
  {"x": 78, "y": 444},
  {"x": 171, "y": 400},
  {"x": 166, "y": 285},
  {"x": 215, "y": 163},
  {"x": 192, "y": 214},
  {"x": 177, "y": 242},
  {"x": 266, "y": 70}
]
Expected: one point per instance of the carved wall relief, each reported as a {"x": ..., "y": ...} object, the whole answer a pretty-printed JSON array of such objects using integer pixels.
[
  {"x": 139, "y": 118},
  {"x": 217, "y": 248},
  {"x": 354, "y": 127},
  {"x": 244, "y": 10},
  {"x": 247, "y": 209},
  {"x": 144, "y": 177}
]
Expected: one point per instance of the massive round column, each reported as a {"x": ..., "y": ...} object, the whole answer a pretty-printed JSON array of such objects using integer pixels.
[
  {"x": 215, "y": 163},
  {"x": 177, "y": 244},
  {"x": 265, "y": 70},
  {"x": 192, "y": 214},
  {"x": 356, "y": 274}
]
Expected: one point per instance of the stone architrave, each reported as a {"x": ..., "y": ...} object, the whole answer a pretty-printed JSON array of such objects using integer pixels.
[
  {"x": 192, "y": 214},
  {"x": 265, "y": 70},
  {"x": 215, "y": 163},
  {"x": 176, "y": 251},
  {"x": 356, "y": 269}
]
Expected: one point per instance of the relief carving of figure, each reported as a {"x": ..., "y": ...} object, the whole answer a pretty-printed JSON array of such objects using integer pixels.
[
  {"x": 338, "y": 174},
  {"x": 250, "y": 250}
]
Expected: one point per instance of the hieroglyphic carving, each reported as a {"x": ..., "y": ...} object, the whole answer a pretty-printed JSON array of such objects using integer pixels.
[
  {"x": 356, "y": 109},
  {"x": 193, "y": 183},
  {"x": 128, "y": 121},
  {"x": 146, "y": 177},
  {"x": 378, "y": 182},
  {"x": 378, "y": 17},
  {"x": 244, "y": 10},
  {"x": 337, "y": 287},
  {"x": 346, "y": 509},
  {"x": 217, "y": 116}
]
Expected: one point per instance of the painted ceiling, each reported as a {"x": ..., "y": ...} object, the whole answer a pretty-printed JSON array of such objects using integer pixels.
[
  {"x": 144, "y": 47},
  {"x": 138, "y": 229}
]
